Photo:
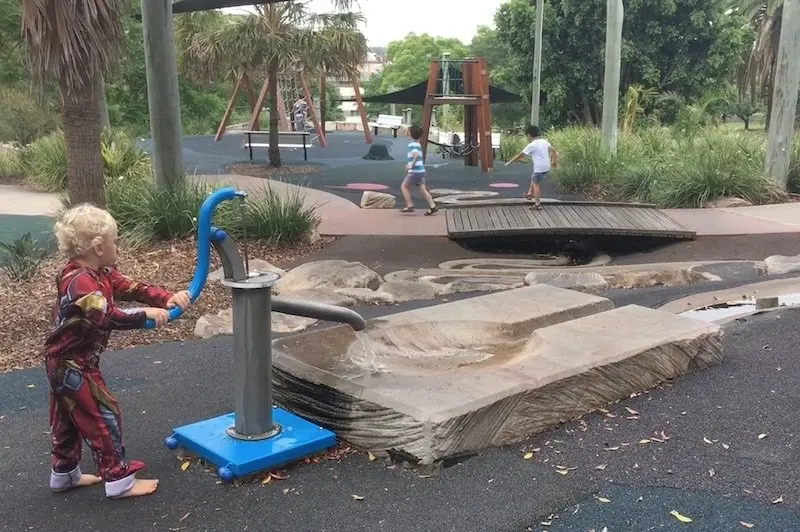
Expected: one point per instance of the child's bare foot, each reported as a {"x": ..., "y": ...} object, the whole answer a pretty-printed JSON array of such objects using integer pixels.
[
  {"x": 140, "y": 487},
  {"x": 85, "y": 480}
]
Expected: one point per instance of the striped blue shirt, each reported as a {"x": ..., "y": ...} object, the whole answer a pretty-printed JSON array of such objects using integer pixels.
[{"x": 415, "y": 148}]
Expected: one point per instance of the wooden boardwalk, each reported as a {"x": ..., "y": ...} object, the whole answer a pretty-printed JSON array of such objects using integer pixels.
[{"x": 567, "y": 219}]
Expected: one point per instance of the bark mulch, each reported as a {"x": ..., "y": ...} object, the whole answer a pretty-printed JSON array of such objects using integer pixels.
[{"x": 26, "y": 307}]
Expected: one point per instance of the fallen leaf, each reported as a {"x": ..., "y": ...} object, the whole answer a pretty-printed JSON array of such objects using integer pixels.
[
  {"x": 726, "y": 446},
  {"x": 185, "y": 466},
  {"x": 706, "y": 440},
  {"x": 632, "y": 411},
  {"x": 612, "y": 448},
  {"x": 711, "y": 472},
  {"x": 562, "y": 471},
  {"x": 371, "y": 457},
  {"x": 31, "y": 386},
  {"x": 603, "y": 499},
  {"x": 357, "y": 497},
  {"x": 267, "y": 480},
  {"x": 182, "y": 519},
  {"x": 778, "y": 500},
  {"x": 527, "y": 456},
  {"x": 601, "y": 467},
  {"x": 746, "y": 525},
  {"x": 644, "y": 441},
  {"x": 679, "y": 517},
  {"x": 762, "y": 436},
  {"x": 546, "y": 523},
  {"x": 278, "y": 476},
  {"x": 664, "y": 436}
]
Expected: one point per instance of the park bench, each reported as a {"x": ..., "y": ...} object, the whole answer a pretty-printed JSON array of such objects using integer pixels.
[
  {"x": 286, "y": 139},
  {"x": 387, "y": 122}
]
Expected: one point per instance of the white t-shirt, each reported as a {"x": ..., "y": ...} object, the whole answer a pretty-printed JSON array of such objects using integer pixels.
[{"x": 539, "y": 152}]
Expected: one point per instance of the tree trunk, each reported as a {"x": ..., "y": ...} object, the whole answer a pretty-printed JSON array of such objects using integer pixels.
[
  {"x": 323, "y": 101},
  {"x": 746, "y": 123},
  {"x": 82, "y": 129},
  {"x": 274, "y": 152}
]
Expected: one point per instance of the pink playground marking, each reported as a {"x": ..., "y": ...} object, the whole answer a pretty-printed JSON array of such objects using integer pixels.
[
  {"x": 365, "y": 186},
  {"x": 503, "y": 185}
]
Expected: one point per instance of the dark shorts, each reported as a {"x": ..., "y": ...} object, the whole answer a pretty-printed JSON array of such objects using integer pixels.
[
  {"x": 538, "y": 177},
  {"x": 414, "y": 179}
]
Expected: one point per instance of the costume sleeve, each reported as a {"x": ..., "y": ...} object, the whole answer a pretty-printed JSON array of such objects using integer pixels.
[
  {"x": 87, "y": 297},
  {"x": 126, "y": 289}
]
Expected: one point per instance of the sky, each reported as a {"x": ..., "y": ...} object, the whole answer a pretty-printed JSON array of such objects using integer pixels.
[{"x": 387, "y": 20}]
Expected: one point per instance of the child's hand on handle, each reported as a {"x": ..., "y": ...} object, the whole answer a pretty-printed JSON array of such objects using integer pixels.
[
  {"x": 158, "y": 315},
  {"x": 182, "y": 300}
]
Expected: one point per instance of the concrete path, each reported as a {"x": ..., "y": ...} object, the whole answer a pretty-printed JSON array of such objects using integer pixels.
[
  {"x": 18, "y": 200},
  {"x": 342, "y": 217}
]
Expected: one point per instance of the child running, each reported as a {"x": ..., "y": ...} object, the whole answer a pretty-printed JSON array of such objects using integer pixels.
[
  {"x": 540, "y": 151},
  {"x": 81, "y": 406},
  {"x": 416, "y": 173}
]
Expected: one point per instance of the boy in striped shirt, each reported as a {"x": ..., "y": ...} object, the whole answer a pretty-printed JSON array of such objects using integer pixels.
[{"x": 416, "y": 173}]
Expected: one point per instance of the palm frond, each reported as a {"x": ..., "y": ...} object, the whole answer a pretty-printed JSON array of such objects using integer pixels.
[{"x": 71, "y": 40}]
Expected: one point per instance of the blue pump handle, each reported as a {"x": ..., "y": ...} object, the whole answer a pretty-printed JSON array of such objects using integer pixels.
[{"x": 205, "y": 234}]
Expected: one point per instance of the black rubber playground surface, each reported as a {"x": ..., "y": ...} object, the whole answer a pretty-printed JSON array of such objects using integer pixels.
[
  {"x": 613, "y": 481},
  {"x": 347, "y": 174}
]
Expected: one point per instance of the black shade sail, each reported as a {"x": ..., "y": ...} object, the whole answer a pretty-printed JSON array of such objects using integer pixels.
[
  {"x": 415, "y": 95},
  {"x": 188, "y": 6}
]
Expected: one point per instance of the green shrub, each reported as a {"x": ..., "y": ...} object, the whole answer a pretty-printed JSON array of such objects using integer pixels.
[
  {"x": 24, "y": 119},
  {"x": 44, "y": 162},
  {"x": 21, "y": 258},
  {"x": 511, "y": 145},
  {"x": 10, "y": 164},
  {"x": 714, "y": 164},
  {"x": 794, "y": 168},
  {"x": 146, "y": 213},
  {"x": 279, "y": 220},
  {"x": 653, "y": 165}
]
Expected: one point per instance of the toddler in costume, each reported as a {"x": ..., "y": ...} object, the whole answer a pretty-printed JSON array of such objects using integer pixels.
[{"x": 81, "y": 406}]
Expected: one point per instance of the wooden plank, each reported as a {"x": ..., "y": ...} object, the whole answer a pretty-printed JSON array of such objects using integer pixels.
[
  {"x": 560, "y": 219},
  {"x": 560, "y": 215}
]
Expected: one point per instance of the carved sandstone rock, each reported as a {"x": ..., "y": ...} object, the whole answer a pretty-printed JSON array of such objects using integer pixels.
[
  {"x": 571, "y": 280},
  {"x": 377, "y": 200},
  {"x": 455, "y": 378},
  {"x": 329, "y": 274}
]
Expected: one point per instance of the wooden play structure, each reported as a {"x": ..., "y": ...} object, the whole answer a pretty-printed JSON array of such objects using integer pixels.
[
  {"x": 462, "y": 82},
  {"x": 290, "y": 87}
]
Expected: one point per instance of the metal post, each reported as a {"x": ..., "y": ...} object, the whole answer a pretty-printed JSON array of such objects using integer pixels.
[
  {"x": 614, "y": 18},
  {"x": 537, "y": 62},
  {"x": 252, "y": 357},
  {"x": 784, "y": 96},
  {"x": 163, "y": 97}
]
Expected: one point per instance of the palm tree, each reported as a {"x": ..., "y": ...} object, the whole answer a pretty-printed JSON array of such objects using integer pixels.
[
  {"x": 74, "y": 42},
  {"x": 765, "y": 18},
  {"x": 275, "y": 38}
]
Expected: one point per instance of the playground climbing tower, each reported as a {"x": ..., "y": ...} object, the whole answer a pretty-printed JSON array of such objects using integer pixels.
[{"x": 462, "y": 82}]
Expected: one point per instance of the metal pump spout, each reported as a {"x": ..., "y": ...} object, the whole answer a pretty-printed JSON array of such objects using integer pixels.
[{"x": 319, "y": 311}]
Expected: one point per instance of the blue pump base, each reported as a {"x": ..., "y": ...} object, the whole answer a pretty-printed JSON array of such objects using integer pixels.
[{"x": 237, "y": 458}]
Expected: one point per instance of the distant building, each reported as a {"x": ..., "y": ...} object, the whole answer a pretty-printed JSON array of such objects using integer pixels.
[{"x": 373, "y": 65}]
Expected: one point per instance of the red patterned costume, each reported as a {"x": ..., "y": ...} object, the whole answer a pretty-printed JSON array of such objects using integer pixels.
[{"x": 81, "y": 406}]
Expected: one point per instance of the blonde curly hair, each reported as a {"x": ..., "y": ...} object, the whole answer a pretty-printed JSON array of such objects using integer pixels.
[{"x": 82, "y": 227}]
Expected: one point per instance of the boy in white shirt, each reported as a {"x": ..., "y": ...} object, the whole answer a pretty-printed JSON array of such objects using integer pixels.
[{"x": 544, "y": 156}]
